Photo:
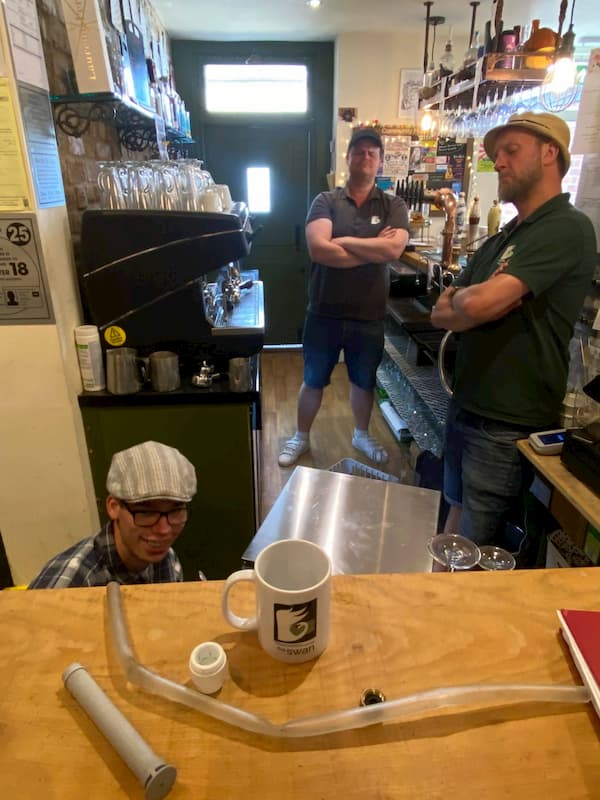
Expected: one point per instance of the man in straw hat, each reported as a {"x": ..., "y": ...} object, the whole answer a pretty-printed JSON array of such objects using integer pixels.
[
  {"x": 149, "y": 487},
  {"x": 515, "y": 306}
]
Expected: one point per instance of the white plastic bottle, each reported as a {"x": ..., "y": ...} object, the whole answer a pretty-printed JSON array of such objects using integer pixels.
[
  {"x": 89, "y": 353},
  {"x": 493, "y": 219}
]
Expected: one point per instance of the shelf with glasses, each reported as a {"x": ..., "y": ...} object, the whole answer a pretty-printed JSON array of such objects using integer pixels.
[
  {"x": 136, "y": 124},
  {"x": 495, "y": 71}
]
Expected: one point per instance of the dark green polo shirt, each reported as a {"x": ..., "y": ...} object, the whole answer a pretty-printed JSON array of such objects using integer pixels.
[
  {"x": 515, "y": 369},
  {"x": 358, "y": 292}
]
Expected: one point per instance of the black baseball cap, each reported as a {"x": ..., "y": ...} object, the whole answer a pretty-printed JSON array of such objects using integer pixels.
[{"x": 365, "y": 133}]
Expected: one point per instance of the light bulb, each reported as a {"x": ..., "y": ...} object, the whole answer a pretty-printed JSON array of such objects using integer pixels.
[
  {"x": 427, "y": 121},
  {"x": 563, "y": 74},
  {"x": 559, "y": 88}
]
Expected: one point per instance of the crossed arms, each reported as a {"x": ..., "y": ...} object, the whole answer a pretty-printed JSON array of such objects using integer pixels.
[
  {"x": 463, "y": 308},
  {"x": 351, "y": 251}
]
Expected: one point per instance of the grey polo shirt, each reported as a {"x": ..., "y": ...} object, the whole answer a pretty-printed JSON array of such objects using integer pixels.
[{"x": 359, "y": 292}]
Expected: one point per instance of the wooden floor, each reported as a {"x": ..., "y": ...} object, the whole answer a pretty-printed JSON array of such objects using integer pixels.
[{"x": 332, "y": 430}]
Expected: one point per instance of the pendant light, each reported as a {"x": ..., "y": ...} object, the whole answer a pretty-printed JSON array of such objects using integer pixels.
[
  {"x": 560, "y": 85},
  {"x": 428, "y": 5}
]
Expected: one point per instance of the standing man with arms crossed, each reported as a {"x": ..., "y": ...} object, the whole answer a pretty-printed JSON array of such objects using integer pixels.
[
  {"x": 515, "y": 306},
  {"x": 352, "y": 233}
]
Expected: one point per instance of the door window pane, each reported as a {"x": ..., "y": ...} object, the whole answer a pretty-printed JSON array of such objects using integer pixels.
[
  {"x": 259, "y": 189},
  {"x": 256, "y": 88}
]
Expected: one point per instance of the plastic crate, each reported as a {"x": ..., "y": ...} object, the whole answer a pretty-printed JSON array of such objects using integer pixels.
[{"x": 349, "y": 466}]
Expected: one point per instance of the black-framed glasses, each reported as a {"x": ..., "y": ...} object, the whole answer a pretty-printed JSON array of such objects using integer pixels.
[{"x": 146, "y": 518}]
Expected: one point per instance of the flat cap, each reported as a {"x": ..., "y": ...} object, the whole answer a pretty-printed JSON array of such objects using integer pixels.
[{"x": 151, "y": 471}]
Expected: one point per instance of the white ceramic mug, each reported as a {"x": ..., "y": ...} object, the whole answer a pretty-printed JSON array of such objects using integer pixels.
[{"x": 292, "y": 579}]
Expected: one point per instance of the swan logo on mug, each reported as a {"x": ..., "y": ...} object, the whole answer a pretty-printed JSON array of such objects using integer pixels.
[{"x": 297, "y": 623}]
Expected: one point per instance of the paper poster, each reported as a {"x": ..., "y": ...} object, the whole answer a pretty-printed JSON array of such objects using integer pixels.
[
  {"x": 395, "y": 156},
  {"x": 587, "y": 128},
  {"x": 588, "y": 192},
  {"x": 42, "y": 148},
  {"x": 23, "y": 29},
  {"x": 423, "y": 156},
  {"x": 24, "y": 296},
  {"x": 411, "y": 81},
  {"x": 14, "y": 188}
]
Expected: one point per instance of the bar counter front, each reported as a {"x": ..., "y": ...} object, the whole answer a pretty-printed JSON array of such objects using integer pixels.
[{"x": 400, "y": 634}]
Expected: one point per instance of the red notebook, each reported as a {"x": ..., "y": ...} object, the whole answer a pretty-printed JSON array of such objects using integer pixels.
[{"x": 584, "y": 627}]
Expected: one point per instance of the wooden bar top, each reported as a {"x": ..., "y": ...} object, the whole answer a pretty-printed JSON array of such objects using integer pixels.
[
  {"x": 397, "y": 633},
  {"x": 576, "y": 492}
]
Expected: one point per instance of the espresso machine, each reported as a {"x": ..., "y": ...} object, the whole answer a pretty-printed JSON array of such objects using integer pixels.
[{"x": 172, "y": 280}]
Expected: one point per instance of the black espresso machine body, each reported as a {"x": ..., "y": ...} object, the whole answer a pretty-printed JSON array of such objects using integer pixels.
[{"x": 160, "y": 280}]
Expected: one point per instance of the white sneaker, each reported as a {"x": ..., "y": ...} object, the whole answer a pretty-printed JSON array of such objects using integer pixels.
[
  {"x": 292, "y": 450},
  {"x": 370, "y": 447}
]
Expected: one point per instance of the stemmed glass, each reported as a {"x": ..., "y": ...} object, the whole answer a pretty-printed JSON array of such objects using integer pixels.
[
  {"x": 496, "y": 558},
  {"x": 503, "y": 109},
  {"x": 453, "y": 551}
]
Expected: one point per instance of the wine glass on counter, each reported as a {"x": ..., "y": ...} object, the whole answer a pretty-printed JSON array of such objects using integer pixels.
[
  {"x": 453, "y": 552},
  {"x": 495, "y": 558}
]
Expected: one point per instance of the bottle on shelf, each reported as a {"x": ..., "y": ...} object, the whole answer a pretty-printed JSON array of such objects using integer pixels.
[
  {"x": 473, "y": 218},
  {"x": 460, "y": 218},
  {"x": 114, "y": 49},
  {"x": 488, "y": 40},
  {"x": 447, "y": 60},
  {"x": 493, "y": 219},
  {"x": 541, "y": 40},
  {"x": 474, "y": 212},
  {"x": 472, "y": 53},
  {"x": 508, "y": 44}
]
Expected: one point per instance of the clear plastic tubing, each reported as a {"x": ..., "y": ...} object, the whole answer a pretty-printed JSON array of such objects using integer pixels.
[{"x": 319, "y": 724}]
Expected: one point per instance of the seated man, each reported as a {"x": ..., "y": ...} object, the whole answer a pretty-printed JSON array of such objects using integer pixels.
[{"x": 148, "y": 487}]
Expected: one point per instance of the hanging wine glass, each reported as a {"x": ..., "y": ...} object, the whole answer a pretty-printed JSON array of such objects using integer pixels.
[
  {"x": 486, "y": 119},
  {"x": 520, "y": 102},
  {"x": 470, "y": 123},
  {"x": 503, "y": 110},
  {"x": 459, "y": 123},
  {"x": 453, "y": 551},
  {"x": 496, "y": 558}
]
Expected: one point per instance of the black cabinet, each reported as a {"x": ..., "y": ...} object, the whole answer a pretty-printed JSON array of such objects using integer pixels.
[{"x": 218, "y": 433}]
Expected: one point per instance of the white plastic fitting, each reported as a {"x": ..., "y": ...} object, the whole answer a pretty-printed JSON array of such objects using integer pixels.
[{"x": 208, "y": 665}]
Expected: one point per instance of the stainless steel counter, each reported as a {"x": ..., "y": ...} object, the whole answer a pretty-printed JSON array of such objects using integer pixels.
[{"x": 365, "y": 525}]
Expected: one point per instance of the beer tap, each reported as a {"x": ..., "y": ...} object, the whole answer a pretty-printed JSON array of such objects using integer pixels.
[{"x": 446, "y": 200}]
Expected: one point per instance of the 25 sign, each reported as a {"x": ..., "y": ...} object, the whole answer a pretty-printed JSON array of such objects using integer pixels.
[{"x": 18, "y": 233}]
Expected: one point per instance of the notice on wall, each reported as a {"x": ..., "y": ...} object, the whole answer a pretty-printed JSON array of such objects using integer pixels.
[
  {"x": 587, "y": 128},
  {"x": 24, "y": 296},
  {"x": 40, "y": 136},
  {"x": 23, "y": 29},
  {"x": 588, "y": 192},
  {"x": 395, "y": 156},
  {"x": 14, "y": 188}
]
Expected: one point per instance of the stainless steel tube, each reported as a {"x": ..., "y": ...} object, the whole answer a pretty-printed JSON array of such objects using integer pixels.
[{"x": 154, "y": 774}]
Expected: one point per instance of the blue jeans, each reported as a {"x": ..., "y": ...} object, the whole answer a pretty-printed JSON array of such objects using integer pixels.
[
  {"x": 484, "y": 473},
  {"x": 325, "y": 337}
]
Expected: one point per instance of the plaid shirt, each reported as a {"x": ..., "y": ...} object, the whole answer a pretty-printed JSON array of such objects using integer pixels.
[{"x": 95, "y": 562}]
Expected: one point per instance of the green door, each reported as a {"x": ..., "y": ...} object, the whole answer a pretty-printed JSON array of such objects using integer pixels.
[{"x": 279, "y": 249}]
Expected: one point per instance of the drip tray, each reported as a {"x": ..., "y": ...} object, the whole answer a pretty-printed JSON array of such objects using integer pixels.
[{"x": 428, "y": 341}]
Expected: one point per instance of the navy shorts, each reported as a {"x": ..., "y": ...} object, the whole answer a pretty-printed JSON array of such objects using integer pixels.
[
  {"x": 484, "y": 473},
  {"x": 325, "y": 337}
]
